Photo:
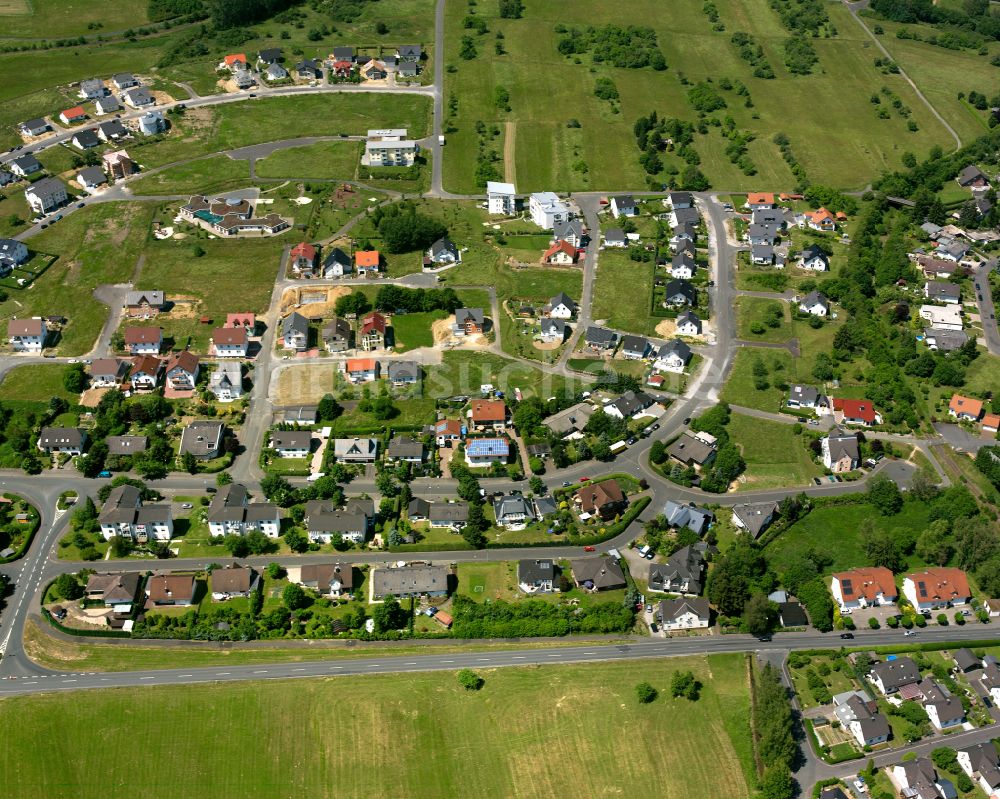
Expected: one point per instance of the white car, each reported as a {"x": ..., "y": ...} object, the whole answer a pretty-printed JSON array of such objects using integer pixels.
[
  {"x": 859, "y": 783},
  {"x": 910, "y": 632}
]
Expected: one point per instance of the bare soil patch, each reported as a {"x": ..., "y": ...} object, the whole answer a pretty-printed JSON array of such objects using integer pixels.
[{"x": 292, "y": 298}]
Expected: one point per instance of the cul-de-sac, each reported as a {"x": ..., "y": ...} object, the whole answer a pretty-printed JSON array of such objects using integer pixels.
[{"x": 500, "y": 398}]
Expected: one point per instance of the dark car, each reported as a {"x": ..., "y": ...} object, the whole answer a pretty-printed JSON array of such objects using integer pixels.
[
  {"x": 687, "y": 420},
  {"x": 847, "y": 636},
  {"x": 817, "y": 481},
  {"x": 80, "y": 205}
]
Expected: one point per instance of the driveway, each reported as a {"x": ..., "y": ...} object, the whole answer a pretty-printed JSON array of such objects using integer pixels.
[{"x": 961, "y": 439}]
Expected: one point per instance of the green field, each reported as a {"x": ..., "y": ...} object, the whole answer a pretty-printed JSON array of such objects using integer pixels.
[
  {"x": 330, "y": 160},
  {"x": 36, "y": 383},
  {"x": 197, "y": 177},
  {"x": 774, "y": 455},
  {"x": 623, "y": 293},
  {"x": 464, "y": 372},
  {"x": 846, "y": 145},
  {"x": 414, "y": 735},
  {"x": 60, "y": 18},
  {"x": 750, "y": 310},
  {"x": 413, "y": 330}
]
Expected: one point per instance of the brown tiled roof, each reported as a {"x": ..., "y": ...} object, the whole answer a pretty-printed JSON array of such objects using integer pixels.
[
  {"x": 142, "y": 335},
  {"x": 229, "y": 336}
]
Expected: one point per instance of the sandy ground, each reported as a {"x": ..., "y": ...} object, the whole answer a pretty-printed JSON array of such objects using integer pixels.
[
  {"x": 92, "y": 397},
  {"x": 303, "y": 384},
  {"x": 667, "y": 328},
  {"x": 292, "y": 298},
  {"x": 541, "y": 345},
  {"x": 441, "y": 330},
  {"x": 183, "y": 307}
]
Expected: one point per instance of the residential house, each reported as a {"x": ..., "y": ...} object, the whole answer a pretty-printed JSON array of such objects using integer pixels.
[
  {"x": 943, "y": 317},
  {"x": 891, "y": 675},
  {"x": 859, "y": 412},
  {"x": 108, "y": 105},
  {"x": 144, "y": 304},
  {"x": 68, "y": 440},
  {"x": 943, "y": 709},
  {"x": 688, "y": 613},
  {"x": 302, "y": 258},
  {"x": 629, "y": 405},
  {"x": 683, "y": 266},
  {"x": 990, "y": 678},
  {"x": 405, "y": 449},
  {"x": 226, "y": 381},
  {"x": 562, "y": 253},
  {"x": 673, "y": 356},
  {"x": 300, "y": 415},
  {"x": 270, "y": 55},
  {"x": 337, "y": 264},
  {"x": 944, "y": 340},
  {"x": 182, "y": 371},
  {"x": 868, "y": 586},
  {"x": 965, "y": 409},
  {"x": 108, "y": 372},
  {"x": 840, "y": 451},
  {"x": 355, "y": 450},
  {"x": 623, "y": 205},
  {"x": 12, "y": 253},
  {"x": 233, "y": 581},
  {"x": 859, "y": 714},
  {"x": 536, "y": 576},
  {"x": 615, "y": 237},
  {"x": 966, "y": 660},
  {"x": 486, "y": 451},
  {"x": 85, "y": 139},
  {"x": 814, "y": 259},
  {"x": 758, "y": 200},
  {"x": 25, "y": 165},
  {"x": 940, "y": 291},
  {"x": 604, "y": 499},
  {"x": 34, "y": 127},
  {"x": 444, "y": 251},
  {"x": 372, "y": 333},
  {"x": 143, "y": 340},
  {"x": 91, "y": 89},
  {"x": 954, "y": 251},
  {"x": 362, "y": 370},
  {"x": 688, "y": 324},
  {"x": 681, "y": 218},
  {"x": 152, "y": 122},
  {"x": 204, "y": 439},
  {"x": 570, "y": 231},
  {"x": 413, "y": 580},
  {"x": 815, "y": 303},
  {"x": 119, "y": 165},
  {"x": 374, "y": 70},
  {"x": 821, "y": 219},
  {"x": 27, "y": 335},
  {"x": 935, "y": 588},
  {"x": 680, "y": 292},
  {"x": 124, "y": 514},
  {"x": 972, "y": 177},
  {"x": 292, "y": 443},
  {"x": 600, "y": 338},
  {"x": 918, "y": 780},
  {"x": 489, "y": 415},
  {"x": 635, "y": 348},
  {"x": 388, "y": 147},
  {"x": 762, "y": 254},
  {"x": 138, "y": 98},
  {"x": 562, "y": 306},
  {"x": 680, "y": 199},
  {"x": 403, "y": 373},
  {"x": 469, "y": 321},
  {"x": 46, "y": 195},
  {"x": 117, "y": 591},
  {"x": 73, "y": 116},
  {"x": 500, "y": 198},
  {"x": 341, "y": 68},
  {"x": 91, "y": 178},
  {"x": 570, "y": 420},
  {"x": 598, "y": 573},
  {"x": 235, "y": 62},
  {"x": 145, "y": 372},
  {"x": 513, "y": 512},
  {"x": 688, "y": 515},
  {"x": 800, "y": 396},
  {"x": 125, "y": 80},
  {"x": 352, "y": 523},
  {"x": 230, "y": 342},
  {"x": 696, "y": 450},
  {"x": 553, "y": 331},
  {"x": 447, "y": 432},
  {"x": 309, "y": 69},
  {"x": 754, "y": 517},
  {"x": 295, "y": 332},
  {"x": 981, "y": 763},
  {"x": 166, "y": 589},
  {"x": 126, "y": 445},
  {"x": 337, "y": 335},
  {"x": 681, "y": 574},
  {"x": 411, "y": 53},
  {"x": 334, "y": 580},
  {"x": 546, "y": 209}
]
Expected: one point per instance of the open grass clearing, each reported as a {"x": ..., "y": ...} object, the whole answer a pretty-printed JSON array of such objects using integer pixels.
[
  {"x": 63, "y": 18},
  {"x": 36, "y": 382},
  {"x": 328, "y": 159},
  {"x": 197, "y": 177},
  {"x": 753, "y": 315},
  {"x": 775, "y": 456},
  {"x": 527, "y": 735},
  {"x": 623, "y": 293},
  {"x": 462, "y": 372}
]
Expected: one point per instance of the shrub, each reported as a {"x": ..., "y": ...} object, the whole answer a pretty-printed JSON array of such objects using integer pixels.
[
  {"x": 942, "y": 619},
  {"x": 469, "y": 680},
  {"x": 646, "y": 693}
]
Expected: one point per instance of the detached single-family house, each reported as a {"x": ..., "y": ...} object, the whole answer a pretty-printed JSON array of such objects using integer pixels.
[
  {"x": 367, "y": 262},
  {"x": 295, "y": 332},
  {"x": 562, "y": 306},
  {"x": 27, "y": 335},
  {"x": 629, "y": 405},
  {"x": 814, "y": 259},
  {"x": 562, "y": 253},
  {"x": 821, "y": 219},
  {"x": 302, "y": 258},
  {"x": 553, "y": 331},
  {"x": 696, "y": 450},
  {"x": 226, "y": 381},
  {"x": 233, "y": 581},
  {"x": 867, "y": 586},
  {"x": 800, "y": 396},
  {"x": 355, "y": 450},
  {"x": 230, "y": 342},
  {"x": 570, "y": 231},
  {"x": 182, "y": 371},
  {"x": 943, "y": 317},
  {"x": 965, "y": 409},
  {"x": 334, "y": 580},
  {"x": 858, "y": 713},
  {"x": 126, "y": 445},
  {"x": 683, "y": 266},
  {"x": 891, "y": 675},
  {"x": 598, "y": 573},
  {"x": 108, "y": 372},
  {"x": 840, "y": 451},
  {"x": 672, "y": 356},
  {"x": 940, "y": 291},
  {"x": 918, "y": 780},
  {"x": 91, "y": 89},
  {"x": 859, "y": 412},
  {"x": 981, "y": 763},
  {"x": 469, "y": 321},
  {"x": 943, "y": 709},
  {"x": 204, "y": 439},
  {"x": 688, "y": 324},
  {"x": 167, "y": 589},
  {"x": 623, "y": 205},
  {"x": 681, "y": 574},
  {"x": 972, "y": 177},
  {"x": 116, "y": 591},
  {"x": 486, "y": 451},
  {"x": 758, "y": 200},
  {"x": 46, "y": 195},
  {"x": 489, "y": 415},
  {"x": 754, "y": 517},
  {"x": 362, "y": 370},
  {"x": 815, "y": 303},
  {"x": 25, "y": 165},
  {"x": 938, "y": 587},
  {"x": 536, "y": 576},
  {"x": 444, "y": 251},
  {"x": 124, "y": 80},
  {"x": 139, "y": 97},
  {"x": 145, "y": 372},
  {"x": 292, "y": 443},
  {"x": 635, "y": 348},
  {"x": 73, "y": 116},
  {"x": 405, "y": 449},
  {"x": 513, "y": 512},
  {"x": 604, "y": 499},
  {"x": 12, "y": 253},
  {"x": 91, "y": 178},
  {"x": 270, "y": 55},
  {"x": 107, "y": 105},
  {"x": 688, "y": 515},
  {"x": 143, "y": 340},
  {"x": 34, "y": 127},
  {"x": 615, "y": 237},
  {"x": 680, "y": 292},
  {"x": 680, "y": 199},
  {"x": 309, "y": 69},
  {"x": 371, "y": 335},
  {"x": 600, "y": 338},
  {"x": 687, "y": 613},
  {"x": 447, "y": 432},
  {"x": 403, "y": 373},
  {"x": 144, "y": 304},
  {"x": 85, "y": 139},
  {"x": 337, "y": 264},
  {"x": 70, "y": 440}
]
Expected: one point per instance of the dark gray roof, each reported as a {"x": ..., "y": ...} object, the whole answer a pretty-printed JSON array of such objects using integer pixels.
[
  {"x": 614, "y": 234},
  {"x": 685, "y": 566},
  {"x": 294, "y": 323},
  {"x": 966, "y": 659},
  {"x": 91, "y": 175},
  {"x": 338, "y": 256},
  {"x": 676, "y": 347},
  {"x": 452, "y": 512},
  {"x": 531, "y": 571},
  {"x": 632, "y": 343},
  {"x": 671, "y": 609},
  {"x": 562, "y": 298},
  {"x": 444, "y": 246},
  {"x": 604, "y": 573},
  {"x": 601, "y": 335},
  {"x": 814, "y": 297},
  {"x": 896, "y": 673},
  {"x": 969, "y": 174},
  {"x": 842, "y": 444},
  {"x": 112, "y": 128},
  {"x": 682, "y": 198},
  {"x": 291, "y": 439},
  {"x": 270, "y": 55},
  {"x": 566, "y": 229},
  {"x": 683, "y": 288},
  {"x": 685, "y": 317},
  {"x": 27, "y": 163},
  {"x": 690, "y": 448},
  {"x": 202, "y": 438},
  {"x": 405, "y": 447},
  {"x": 407, "y": 580},
  {"x": 755, "y": 516},
  {"x": 686, "y": 216},
  {"x": 126, "y": 445},
  {"x": 61, "y": 437},
  {"x": 792, "y": 615},
  {"x": 815, "y": 251},
  {"x": 552, "y": 327},
  {"x": 631, "y": 402},
  {"x": 686, "y": 515},
  {"x": 512, "y": 505},
  {"x": 475, "y": 315},
  {"x": 403, "y": 370}
]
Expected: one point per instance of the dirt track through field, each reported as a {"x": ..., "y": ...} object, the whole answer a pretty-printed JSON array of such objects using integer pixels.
[{"x": 509, "y": 142}]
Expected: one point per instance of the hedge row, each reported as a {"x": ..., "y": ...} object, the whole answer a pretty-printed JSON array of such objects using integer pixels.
[
  {"x": 614, "y": 530},
  {"x": 457, "y": 546},
  {"x": 84, "y": 633}
]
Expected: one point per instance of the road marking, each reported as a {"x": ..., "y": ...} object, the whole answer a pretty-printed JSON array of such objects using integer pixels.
[
  {"x": 69, "y": 680},
  {"x": 298, "y": 669},
  {"x": 222, "y": 673},
  {"x": 411, "y": 663},
  {"x": 186, "y": 675},
  {"x": 447, "y": 661},
  {"x": 483, "y": 660},
  {"x": 518, "y": 657},
  {"x": 261, "y": 671},
  {"x": 336, "y": 667},
  {"x": 147, "y": 678},
  {"x": 374, "y": 665}
]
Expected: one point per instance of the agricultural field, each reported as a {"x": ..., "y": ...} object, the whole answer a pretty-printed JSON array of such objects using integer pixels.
[
  {"x": 528, "y": 749},
  {"x": 845, "y": 146},
  {"x": 775, "y": 456}
]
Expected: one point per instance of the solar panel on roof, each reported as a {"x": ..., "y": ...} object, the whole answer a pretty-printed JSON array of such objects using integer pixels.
[{"x": 848, "y": 588}]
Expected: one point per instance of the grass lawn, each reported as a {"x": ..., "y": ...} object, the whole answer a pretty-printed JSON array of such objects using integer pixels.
[
  {"x": 846, "y": 551},
  {"x": 845, "y": 147},
  {"x": 98, "y": 244},
  {"x": 329, "y": 159},
  {"x": 197, "y": 177},
  {"x": 417, "y": 411},
  {"x": 463, "y": 372},
  {"x": 63, "y": 18},
  {"x": 36, "y": 382},
  {"x": 413, "y": 330},
  {"x": 489, "y": 581},
  {"x": 623, "y": 293},
  {"x": 740, "y": 388},
  {"x": 754, "y": 310},
  {"x": 774, "y": 455},
  {"x": 428, "y": 717}
]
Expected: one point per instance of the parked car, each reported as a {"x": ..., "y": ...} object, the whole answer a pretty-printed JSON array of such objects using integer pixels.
[
  {"x": 859, "y": 783},
  {"x": 187, "y": 506},
  {"x": 590, "y": 549},
  {"x": 656, "y": 426},
  {"x": 584, "y": 479},
  {"x": 687, "y": 420},
  {"x": 847, "y": 636},
  {"x": 105, "y": 473},
  {"x": 817, "y": 481},
  {"x": 566, "y": 483}
]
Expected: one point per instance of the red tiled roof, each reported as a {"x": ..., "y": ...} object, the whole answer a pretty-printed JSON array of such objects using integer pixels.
[
  {"x": 366, "y": 258},
  {"x": 185, "y": 360},
  {"x": 146, "y": 364},
  {"x": 243, "y": 319},
  {"x": 488, "y": 411},
  {"x": 230, "y": 336},
  {"x": 561, "y": 246},
  {"x": 143, "y": 335},
  {"x": 360, "y": 364},
  {"x": 374, "y": 321},
  {"x": 966, "y": 405},
  {"x": 760, "y": 198},
  {"x": 941, "y": 584},
  {"x": 75, "y": 111},
  {"x": 232, "y": 59},
  {"x": 304, "y": 250},
  {"x": 856, "y": 409},
  {"x": 867, "y": 582}
]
